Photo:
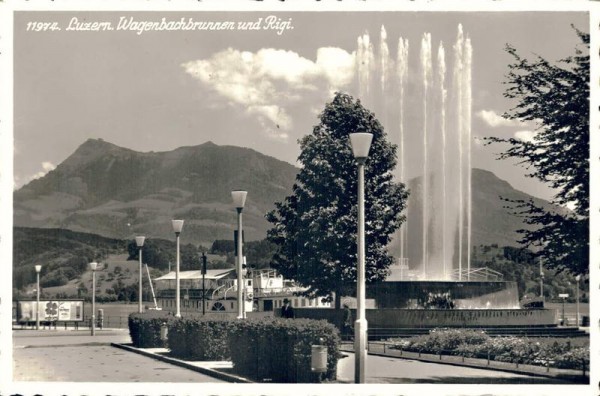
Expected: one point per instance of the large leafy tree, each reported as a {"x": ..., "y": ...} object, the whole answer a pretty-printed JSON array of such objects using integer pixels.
[
  {"x": 315, "y": 227},
  {"x": 555, "y": 96}
]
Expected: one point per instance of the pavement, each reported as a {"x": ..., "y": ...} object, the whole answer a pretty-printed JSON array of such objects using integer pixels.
[{"x": 76, "y": 356}]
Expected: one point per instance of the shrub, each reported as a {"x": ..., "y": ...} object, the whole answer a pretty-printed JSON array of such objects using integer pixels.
[
  {"x": 144, "y": 328},
  {"x": 472, "y": 343},
  {"x": 279, "y": 350},
  {"x": 447, "y": 340},
  {"x": 200, "y": 338}
]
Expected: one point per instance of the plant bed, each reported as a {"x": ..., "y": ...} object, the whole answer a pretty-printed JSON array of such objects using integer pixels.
[{"x": 547, "y": 352}]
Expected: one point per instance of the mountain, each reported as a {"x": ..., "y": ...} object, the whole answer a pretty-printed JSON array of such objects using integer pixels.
[
  {"x": 115, "y": 192},
  {"x": 493, "y": 220},
  {"x": 118, "y": 193}
]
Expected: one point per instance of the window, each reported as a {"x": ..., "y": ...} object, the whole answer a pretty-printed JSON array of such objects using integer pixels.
[
  {"x": 304, "y": 302},
  {"x": 295, "y": 302},
  {"x": 310, "y": 302}
]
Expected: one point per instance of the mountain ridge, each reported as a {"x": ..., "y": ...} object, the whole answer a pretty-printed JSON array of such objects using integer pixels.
[{"x": 117, "y": 192}]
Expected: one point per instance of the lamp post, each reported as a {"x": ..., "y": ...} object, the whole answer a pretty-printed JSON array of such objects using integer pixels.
[
  {"x": 203, "y": 284},
  {"x": 361, "y": 142},
  {"x": 239, "y": 199},
  {"x": 93, "y": 267},
  {"x": 577, "y": 278},
  {"x": 541, "y": 279},
  {"x": 38, "y": 268},
  {"x": 139, "y": 241},
  {"x": 177, "y": 226}
]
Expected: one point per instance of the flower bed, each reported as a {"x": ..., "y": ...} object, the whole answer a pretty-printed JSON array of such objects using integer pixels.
[{"x": 477, "y": 344}]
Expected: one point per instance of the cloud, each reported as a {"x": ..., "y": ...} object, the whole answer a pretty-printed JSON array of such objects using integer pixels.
[
  {"x": 47, "y": 166},
  {"x": 493, "y": 119},
  {"x": 268, "y": 83},
  {"x": 526, "y": 136}
]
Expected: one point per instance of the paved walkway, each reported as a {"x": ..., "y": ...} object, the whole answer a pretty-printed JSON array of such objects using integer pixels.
[
  {"x": 76, "y": 356},
  {"x": 390, "y": 370}
]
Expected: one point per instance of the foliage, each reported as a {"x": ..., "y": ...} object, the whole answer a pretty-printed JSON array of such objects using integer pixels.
[
  {"x": 144, "y": 328},
  {"x": 477, "y": 344},
  {"x": 315, "y": 227},
  {"x": 556, "y": 98},
  {"x": 201, "y": 338},
  {"x": 521, "y": 265},
  {"x": 258, "y": 253},
  {"x": 443, "y": 340},
  {"x": 265, "y": 349},
  {"x": 158, "y": 253},
  {"x": 279, "y": 350},
  {"x": 64, "y": 254},
  {"x": 439, "y": 301}
]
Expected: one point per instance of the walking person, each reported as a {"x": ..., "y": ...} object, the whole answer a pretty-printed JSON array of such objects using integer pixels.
[
  {"x": 347, "y": 327},
  {"x": 287, "y": 311}
]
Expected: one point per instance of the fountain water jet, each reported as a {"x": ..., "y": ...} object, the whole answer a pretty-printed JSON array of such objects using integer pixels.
[{"x": 445, "y": 145}]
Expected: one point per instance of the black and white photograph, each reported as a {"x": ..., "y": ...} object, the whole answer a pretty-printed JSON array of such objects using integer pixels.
[{"x": 352, "y": 197}]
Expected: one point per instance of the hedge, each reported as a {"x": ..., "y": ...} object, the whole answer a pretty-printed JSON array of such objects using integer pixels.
[
  {"x": 201, "y": 338},
  {"x": 263, "y": 349},
  {"x": 144, "y": 328},
  {"x": 279, "y": 350}
]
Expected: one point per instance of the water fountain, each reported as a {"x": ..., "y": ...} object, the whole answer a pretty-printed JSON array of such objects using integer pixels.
[
  {"x": 444, "y": 144},
  {"x": 441, "y": 263}
]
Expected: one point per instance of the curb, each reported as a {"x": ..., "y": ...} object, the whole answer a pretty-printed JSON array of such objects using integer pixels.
[
  {"x": 562, "y": 377},
  {"x": 203, "y": 370}
]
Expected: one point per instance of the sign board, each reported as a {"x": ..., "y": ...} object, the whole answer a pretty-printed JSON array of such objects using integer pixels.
[
  {"x": 50, "y": 310},
  {"x": 563, "y": 295}
]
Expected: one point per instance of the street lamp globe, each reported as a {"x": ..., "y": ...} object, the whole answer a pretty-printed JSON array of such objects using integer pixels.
[
  {"x": 239, "y": 198},
  {"x": 177, "y": 226},
  {"x": 361, "y": 143},
  {"x": 139, "y": 241},
  {"x": 38, "y": 268},
  {"x": 93, "y": 266}
]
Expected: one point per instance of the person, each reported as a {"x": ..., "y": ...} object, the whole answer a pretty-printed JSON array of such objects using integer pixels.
[
  {"x": 347, "y": 329},
  {"x": 287, "y": 311}
]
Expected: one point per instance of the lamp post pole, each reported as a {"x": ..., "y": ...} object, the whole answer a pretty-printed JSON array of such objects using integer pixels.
[
  {"x": 361, "y": 142},
  {"x": 577, "y": 278},
  {"x": 541, "y": 279},
  {"x": 139, "y": 241},
  {"x": 177, "y": 227},
  {"x": 203, "y": 284},
  {"x": 239, "y": 199},
  {"x": 93, "y": 267},
  {"x": 38, "y": 268}
]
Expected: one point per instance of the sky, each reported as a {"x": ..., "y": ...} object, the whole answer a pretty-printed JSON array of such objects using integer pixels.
[{"x": 261, "y": 89}]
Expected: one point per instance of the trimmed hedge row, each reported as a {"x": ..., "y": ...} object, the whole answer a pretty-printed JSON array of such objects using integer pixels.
[
  {"x": 279, "y": 350},
  {"x": 201, "y": 338},
  {"x": 265, "y": 349},
  {"x": 144, "y": 328}
]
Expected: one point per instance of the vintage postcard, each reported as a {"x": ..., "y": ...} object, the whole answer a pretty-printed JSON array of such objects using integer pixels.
[{"x": 358, "y": 197}]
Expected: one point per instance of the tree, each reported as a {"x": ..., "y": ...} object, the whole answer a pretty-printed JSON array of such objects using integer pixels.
[
  {"x": 315, "y": 228},
  {"x": 556, "y": 98}
]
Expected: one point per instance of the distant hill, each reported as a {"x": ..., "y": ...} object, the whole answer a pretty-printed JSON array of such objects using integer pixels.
[
  {"x": 116, "y": 192},
  {"x": 494, "y": 222},
  {"x": 63, "y": 254}
]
